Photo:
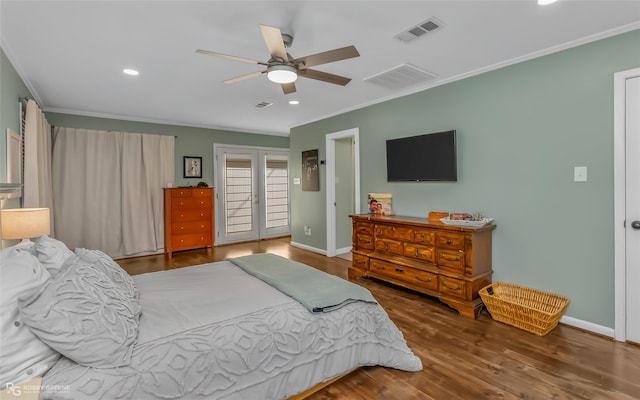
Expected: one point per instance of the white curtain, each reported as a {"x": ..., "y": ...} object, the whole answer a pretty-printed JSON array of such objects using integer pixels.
[
  {"x": 108, "y": 189},
  {"x": 37, "y": 191}
]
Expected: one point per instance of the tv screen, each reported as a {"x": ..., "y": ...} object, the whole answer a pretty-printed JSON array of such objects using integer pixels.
[{"x": 430, "y": 157}]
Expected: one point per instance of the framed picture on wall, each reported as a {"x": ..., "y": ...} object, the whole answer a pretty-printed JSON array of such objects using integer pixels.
[
  {"x": 310, "y": 175},
  {"x": 192, "y": 167},
  {"x": 14, "y": 164}
]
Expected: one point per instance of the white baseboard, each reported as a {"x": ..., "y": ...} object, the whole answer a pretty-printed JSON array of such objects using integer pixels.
[
  {"x": 588, "y": 326},
  {"x": 343, "y": 250},
  {"x": 305, "y": 247}
]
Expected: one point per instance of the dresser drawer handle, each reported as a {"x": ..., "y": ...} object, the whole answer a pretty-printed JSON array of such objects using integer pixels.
[
  {"x": 399, "y": 270},
  {"x": 423, "y": 237},
  {"x": 360, "y": 261},
  {"x": 418, "y": 278},
  {"x": 386, "y": 246},
  {"x": 443, "y": 256},
  {"x": 444, "y": 283},
  {"x": 364, "y": 241},
  {"x": 416, "y": 252},
  {"x": 380, "y": 267},
  {"x": 448, "y": 241}
]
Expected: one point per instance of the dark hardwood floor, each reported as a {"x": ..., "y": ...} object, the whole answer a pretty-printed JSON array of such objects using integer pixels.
[{"x": 462, "y": 358}]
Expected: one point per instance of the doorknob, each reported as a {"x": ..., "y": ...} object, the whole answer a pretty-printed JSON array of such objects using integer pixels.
[{"x": 635, "y": 224}]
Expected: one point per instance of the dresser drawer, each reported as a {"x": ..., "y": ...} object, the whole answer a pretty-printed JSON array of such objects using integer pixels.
[
  {"x": 452, "y": 286},
  {"x": 389, "y": 246},
  {"x": 423, "y": 279},
  {"x": 425, "y": 253},
  {"x": 359, "y": 261},
  {"x": 201, "y": 192},
  {"x": 365, "y": 228},
  {"x": 180, "y": 228},
  {"x": 402, "y": 233},
  {"x": 424, "y": 236},
  {"x": 364, "y": 241},
  {"x": 450, "y": 240},
  {"x": 452, "y": 259},
  {"x": 190, "y": 215},
  {"x": 181, "y": 192},
  {"x": 383, "y": 231},
  {"x": 188, "y": 241},
  {"x": 191, "y": 202}
]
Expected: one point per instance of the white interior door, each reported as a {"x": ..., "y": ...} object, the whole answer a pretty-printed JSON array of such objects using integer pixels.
[
  {"x": 332, "y": 215},
  {"x": 632, "y": 158},
  {"x": 252, "y": 193}
]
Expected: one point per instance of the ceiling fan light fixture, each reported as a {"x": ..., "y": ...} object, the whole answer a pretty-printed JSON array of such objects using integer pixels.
[{"x": 282, "y": 73}]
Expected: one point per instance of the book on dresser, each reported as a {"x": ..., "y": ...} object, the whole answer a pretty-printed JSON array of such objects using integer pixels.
[
  {"x": 450, "y": 263},
  {"x": 188, "y": 218}
]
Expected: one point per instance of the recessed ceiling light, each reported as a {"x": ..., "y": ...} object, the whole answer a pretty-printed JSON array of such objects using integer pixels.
[
  {"x": 131, "y": 72},
  {"x": 546, "y": 2},
  {"x": 294, "y": 102}
]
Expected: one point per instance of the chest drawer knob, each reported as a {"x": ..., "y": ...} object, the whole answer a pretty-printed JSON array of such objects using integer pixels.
[{"x": 448, "y": 241}]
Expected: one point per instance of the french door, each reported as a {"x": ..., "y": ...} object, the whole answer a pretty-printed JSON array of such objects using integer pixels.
[{"x": 252, "y": 186}]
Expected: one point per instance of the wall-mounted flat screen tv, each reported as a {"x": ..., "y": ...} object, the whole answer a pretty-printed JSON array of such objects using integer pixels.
[{"x": 430, "y": 157}]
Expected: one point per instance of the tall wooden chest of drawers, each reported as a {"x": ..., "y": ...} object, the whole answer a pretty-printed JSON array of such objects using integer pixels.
[
  {"x": 448, "y": 262},
  {"x": 188, "y": 218}
]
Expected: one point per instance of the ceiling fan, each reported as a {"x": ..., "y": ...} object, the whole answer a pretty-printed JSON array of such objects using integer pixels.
[{"x": 284, "y": 69}]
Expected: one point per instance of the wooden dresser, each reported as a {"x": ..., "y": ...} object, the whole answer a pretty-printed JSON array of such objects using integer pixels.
[
  {"x": 188, "y": 218},
  {"x": 448, "y": 262}
]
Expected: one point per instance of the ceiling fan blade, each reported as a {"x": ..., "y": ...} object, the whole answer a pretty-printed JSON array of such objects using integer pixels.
[
  {"x": 324, "y": 76},
  {"x": 273, "y": 39},
  {"x": 288, "y": 87},
  {"x": 327, "y": 57},
  {"x": 245, "y": 76},
  {"x": 234, "y": 58}
]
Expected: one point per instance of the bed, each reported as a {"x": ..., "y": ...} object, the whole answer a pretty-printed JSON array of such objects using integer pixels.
[{"x": 224, "y": 330}]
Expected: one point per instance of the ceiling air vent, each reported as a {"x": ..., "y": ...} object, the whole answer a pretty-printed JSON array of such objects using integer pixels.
[
  {"x": 402, "y": 76},
  {"x": 428, "y": 26},
  {"x": 264, "y": 104}
]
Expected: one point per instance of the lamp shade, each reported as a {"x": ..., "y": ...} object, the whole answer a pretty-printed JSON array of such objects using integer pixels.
[{"x": 24, "y": 223}]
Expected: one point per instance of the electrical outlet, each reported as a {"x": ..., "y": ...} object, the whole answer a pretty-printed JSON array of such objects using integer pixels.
[{"x": 307, "y": 230}]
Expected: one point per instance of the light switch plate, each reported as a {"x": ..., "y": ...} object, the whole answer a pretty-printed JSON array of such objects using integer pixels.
[{"x": 579, "y": 174}]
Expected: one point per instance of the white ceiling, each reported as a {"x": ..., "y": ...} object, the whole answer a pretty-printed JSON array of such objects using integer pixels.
[{"x": 71, "y": 53}]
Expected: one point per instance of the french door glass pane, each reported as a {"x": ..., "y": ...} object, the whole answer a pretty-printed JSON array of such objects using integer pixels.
[
  {"x": 238, "y": 193},
  {"x": 277, "y": 190}
]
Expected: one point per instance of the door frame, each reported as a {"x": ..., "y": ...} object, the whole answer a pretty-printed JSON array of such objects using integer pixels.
[
  {"x": 330, "y": 146},
  {"x": 619, "y": 193}
]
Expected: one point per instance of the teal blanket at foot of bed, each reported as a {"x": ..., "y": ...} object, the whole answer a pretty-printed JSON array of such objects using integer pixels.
[{"x": 314, "y": 289}]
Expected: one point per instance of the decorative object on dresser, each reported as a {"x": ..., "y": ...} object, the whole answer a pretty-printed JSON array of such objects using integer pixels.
[
  {"x": 451, "y": 263},
  {"x": 188, "y": 218}
]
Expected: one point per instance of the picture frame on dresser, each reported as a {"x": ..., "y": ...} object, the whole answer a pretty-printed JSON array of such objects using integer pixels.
[{"x": 192, "y": 167}]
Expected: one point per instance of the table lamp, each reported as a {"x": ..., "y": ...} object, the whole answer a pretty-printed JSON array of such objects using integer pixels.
[{"x": 24, "y": 223}]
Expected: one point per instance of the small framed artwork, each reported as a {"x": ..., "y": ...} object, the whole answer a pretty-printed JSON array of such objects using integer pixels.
[
  {"x": 14, "y": 163},
  {"x": 192, "y": 167},
  {"x": 310, "y": 174}
]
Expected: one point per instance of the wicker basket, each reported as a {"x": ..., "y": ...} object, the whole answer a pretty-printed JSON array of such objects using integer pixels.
[{"x": 528, "y": 309}]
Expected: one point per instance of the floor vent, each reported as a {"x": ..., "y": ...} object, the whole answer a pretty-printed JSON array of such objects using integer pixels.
[
  {"x": 428, "y": 26},
  {"x": 264, "y": 104},
  {"x": 404, "y": 75}
]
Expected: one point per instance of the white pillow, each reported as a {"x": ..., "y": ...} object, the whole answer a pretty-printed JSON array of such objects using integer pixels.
[
  {"x": 86, "y": 316},
  {"x": 23, "y": 356},
  {"x": 51, "y": 253}
]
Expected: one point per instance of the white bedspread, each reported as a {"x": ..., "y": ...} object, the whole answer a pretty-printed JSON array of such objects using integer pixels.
[{"x": 215, "y": 332}]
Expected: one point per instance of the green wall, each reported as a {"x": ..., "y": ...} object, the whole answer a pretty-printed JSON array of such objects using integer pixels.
[
  {"x": 189, "y": 141},
  {"x": 521, "y": 131}
]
